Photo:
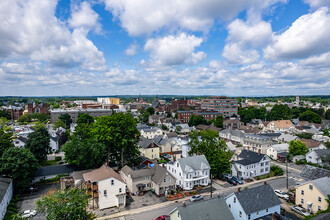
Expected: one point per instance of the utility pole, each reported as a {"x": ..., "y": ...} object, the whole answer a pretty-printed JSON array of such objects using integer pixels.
[
  {"x": 211, "y": 184},
  {"x": 287, "y": 174}
]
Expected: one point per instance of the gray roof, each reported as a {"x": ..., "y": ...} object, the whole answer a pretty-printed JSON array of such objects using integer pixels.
[
  {"x": 235, "y": 133},
  {"x": 4, "y": 185},
  {"x": 257, "y": 198},
  {"x": 145, "y": 143},
  {"x": 323, "y": 185},
  {"x": 212, "y": 209},
  {"x": 324, "y": 216},
  {"x": 23, "y": 139},
  {"x": 249, "y": 157},
  {"x": 281, "y": 147},
  {"x": 159, "y": 173},
  {"x": 156, "y": 172},
  {"x": 312, "y": 173},
  {"x": 190, "y": 164},
  {"x": 322, "y": 152},
  {"x": 54, "y": 138}
]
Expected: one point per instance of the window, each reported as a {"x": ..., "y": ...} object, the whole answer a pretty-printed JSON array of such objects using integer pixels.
[
  {"x": 169, "y": 179},
  {"x": 261, "y": 170},
  {"x": 302, "y": 192},
  {"x": 266, "y": 169},
  {"x": 229, "y": 206},
  {"x": 318, "y": 208},
  {"x": 177, "y": 165},
  {"x": 186, "y": 184},
  {"x": 119, "y": 190},
  {"x": 144, "y": 178},
  {"x": 240, "y": 214},
  {"x": 234, "y": 199},
  {"x": 249, "y": 216},
  {"x": 149, "y": 177},
  {"x": 112, "y": 182},
  {"x": 105, "y": 192},
  {"x": 152, "y": 156},
  {"x": 257, "y": 213},
  {"x": 302, "y": 201},
  {"x": 319, "y": 199},
  {"x": 164, "y": 180},
  {"x": 267, "y": 210},
  {"x": 311, "y": 187},
  {"x": 152, "y": 150}
]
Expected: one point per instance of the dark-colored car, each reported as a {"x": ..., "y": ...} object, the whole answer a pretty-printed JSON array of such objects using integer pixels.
[
  {"x": 231, "y": 181},
  {"x": 163, "y": 217},
  {"x": 237, "y": 180}
]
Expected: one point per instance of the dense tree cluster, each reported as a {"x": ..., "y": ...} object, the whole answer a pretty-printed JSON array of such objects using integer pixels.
[
  {"x": 297, "y": 148},
  {"x": 38, "y": 144}
]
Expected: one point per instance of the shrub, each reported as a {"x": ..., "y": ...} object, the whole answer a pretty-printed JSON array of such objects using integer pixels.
[
  {"x": 277, "y": 170},
  {"x": 58, "y": 158}
]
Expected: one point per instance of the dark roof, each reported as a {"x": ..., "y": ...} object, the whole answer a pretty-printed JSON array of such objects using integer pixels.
[
  {"x": 102, "y": 173},
  {"x": 322, "y": 152},
  {"x": 57, "y": 169},
  {"x": 4, "y": 185},
  {"x": 23, "y": 139},
  {"x": 283, "y": 154},
  {"x": 54, "y": 138},
  {"x": 249, "y": 157},
  {"x": 324, "y": 216},
  {"x": 277, "y": 217},
  {"x": 312, "y": 173},
  {"x": 272, "y": 134},
  {"x": 257, "y": 198},
  {"x": 146, "y": 143},
  {"x": 212, "y": 209}
]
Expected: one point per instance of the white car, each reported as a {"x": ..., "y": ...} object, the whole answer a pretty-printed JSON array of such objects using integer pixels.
[
  {"x": 281, "y": 194},
  {"x": 300, "y": 210},
  {"x": 28, "y": 213},
  {"x": 196, "y": 198}
]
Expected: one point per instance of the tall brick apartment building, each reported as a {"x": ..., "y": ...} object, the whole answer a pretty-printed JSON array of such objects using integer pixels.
[
  {"x": 222, "y": 104},
  {"x": 184, "y": 116}
]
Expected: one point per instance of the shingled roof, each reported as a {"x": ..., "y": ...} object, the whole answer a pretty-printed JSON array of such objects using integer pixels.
[
  {"x": 104, "y": 172},
  {"x": 257, "y": 198},
  {"x": 312, "y": 173},
  {"x": 249, "y": 157},
  {"x": 190, "y": 164}
]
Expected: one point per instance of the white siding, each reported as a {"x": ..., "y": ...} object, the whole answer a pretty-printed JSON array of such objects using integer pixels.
[{"x": 112, "y": 190}]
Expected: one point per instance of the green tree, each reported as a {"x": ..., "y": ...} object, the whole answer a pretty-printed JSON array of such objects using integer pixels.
[
  {"x": 59, "y": 123},
  {"x": 66, "y": 118},
  {"x": 38, "y": 144},
  {"x": 65, "y": 205},
  {"x": 214, "y": 149},
  {"x": 305, "y": 135},
  {"x": 327, "y": 114},
  {"x": 23, "y": 119},
  {"x": 297, "y": 148},
  {"x": 83, "y": 149},
  {"x": 178, "y": 129},
  {"x": 20, "y": 164},
  {"x": 327, "y": 144},
  {"x": 5, "y": 141},
  {"x": 144, "y": 116},
  {"x": 38, "y": 125},
  {"x": 279, "y": 112},
  {"x": 3, "y": 121},
  {"x": 150, "y": 110},
  {"x": 85, "y": 118},
  {"x": 5, "y": 113},
  {"x": 196, "y": 120},
  {"x": 219, "y": 121},
  {"x": 118, "y": 132},
  {"x": 310, "y": 117}
]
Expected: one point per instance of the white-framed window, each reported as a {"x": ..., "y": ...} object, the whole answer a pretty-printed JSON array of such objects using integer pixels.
[
  {"x": 164, "y": 180},
  {"x": 105, "y": 193},
  {"x": 302, "y": 192},
  {"x": 311, "y": 187},
  {"x": 267, "y": 210},
  {"x": 319, "y": 199},
  {"x": 249, "y": 217},
  {"x": 240, "y": 214},
  {"x": 229, "y": 206},
  {"x": 257, "y": 213},
  {"x": 112, "y": 182},
  {"x": 177, "y": 165},
  {"x": 302, "y": 201},
  {"x": 119, "y": 190},
  {"x": 319, "y": 208},
  {"x": 169, "y": 179},
  {"x": 234, "y": 199},
  {"x": 152, "y": 150}
]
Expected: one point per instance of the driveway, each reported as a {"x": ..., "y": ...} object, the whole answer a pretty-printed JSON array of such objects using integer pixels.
[{"x": 27, "y": 201}]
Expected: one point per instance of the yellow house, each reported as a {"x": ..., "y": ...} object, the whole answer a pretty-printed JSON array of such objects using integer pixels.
[
  {"x": 312, "y": 195},
  {"x": 149, "y": 148}
]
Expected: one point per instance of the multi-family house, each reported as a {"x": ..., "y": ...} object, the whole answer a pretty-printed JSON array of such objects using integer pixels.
[
  {"x": 152, "y": 177},
  {"x": 286, "y": 138},
  {"x": 149, "y": 148},
  {"x": 150, "y": 132},
  {"x": 256, "y": 142},
  {"x": 313, "y": 145},
  {"x": 232, "y": 124},
  {"x": 209, "y": 209},
  {"x": 236, "y": 137},
  {"x": 276, "y": 149},
  {"x": 106, "y": 187},
  {"x": 6, "y": 193},
  {"x": 318, "y": 156},
  {"x": 250, "y": 164},
  {"x": 190, "y": 171},
  {"x": 253, "y": 203},
  {"x": 313, "y": 195},
  {"x": 20, "y": 141},
  {"x": 279, "y": 126},
  {"x": 164, "y": 144}
]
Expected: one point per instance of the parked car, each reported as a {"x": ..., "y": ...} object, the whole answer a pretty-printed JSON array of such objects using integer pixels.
[
  {"x": 225, "y": 176},
  {"x": 196, "y": 197},
  {"x": 281, "y": 194},
  {"x": 164, "y": 217},
  {"x": 237, "y": 180},
  {"x": 300, "y": 210},
  {"x": 28, "y": 213},
  {"x": 231, "y": 181}
]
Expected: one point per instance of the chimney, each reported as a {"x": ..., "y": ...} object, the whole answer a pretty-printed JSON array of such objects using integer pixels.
[
  {"x": 259, "y": 151},
  {"x": 183, "y": 204},
  {"x": 273, "y": 216},
  {"x": 265, "y": 183},
  {"x": 239, "y": 189}
]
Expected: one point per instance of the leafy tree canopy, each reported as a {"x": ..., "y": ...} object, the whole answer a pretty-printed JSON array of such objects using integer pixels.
[
  {"x": 305, "y": 135},
  {"x": 85, "y": 118},
  {"x": 219, "y": 121},
  {"x": 23, "y": 119},
  {"x": 327, "y": 114},
  {"x": 59, "y": 123},
  {"x": 118, "y": 132},
  {"x": 196, "y": 120},
  {"x": 279, "y": 112},
  {"x": 5, "y": 113},
  {"x": 150, "y": 110},
  {"x": 66, "y": 205},
  {"x": 214, "y": 149},
  {"x": 5, "y": 141},
  {"x": 310, "y": 117},
  {"x": 38, "y": 143},
  {"x": 297, "y": 148},
  {"x": 66, "y": 118},
  {"x": 20, "y": 164}
]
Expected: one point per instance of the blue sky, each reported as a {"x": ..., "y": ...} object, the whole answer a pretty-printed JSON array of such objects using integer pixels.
[{"x": 186, "y": 47}]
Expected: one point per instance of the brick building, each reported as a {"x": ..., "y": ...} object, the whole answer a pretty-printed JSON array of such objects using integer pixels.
[
  {"x": 37, "y": 108},
  {"x": 178, "y": 105},
  {"x": 184, "y": 116},
  {"x": 15, "y": 112},
  {"x": 226, "y": 106}
]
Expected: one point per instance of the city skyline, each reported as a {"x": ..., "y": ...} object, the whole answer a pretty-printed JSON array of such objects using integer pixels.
[{"x": 213, "y": 47}]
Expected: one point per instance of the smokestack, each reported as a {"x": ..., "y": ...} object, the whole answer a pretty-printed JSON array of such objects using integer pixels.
[{"x": 265, "y": 183}]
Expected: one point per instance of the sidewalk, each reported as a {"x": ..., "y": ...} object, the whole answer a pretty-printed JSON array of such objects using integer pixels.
[{"x": 164, "y": 204}]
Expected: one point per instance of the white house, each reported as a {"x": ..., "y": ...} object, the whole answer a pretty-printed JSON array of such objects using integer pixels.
[
  {"x": 235, "y": 136},
  {"x": 250, "y": 164},
  {"x": 6, "y": 193},
  {"x": 107, "y": 186},
  {"x": 253, "y": 203},
  {"x": 53, "y": 143},
  {"x": 150, "y": 132},
  {"x": 190, "y": 171},
  {"x": 317, "y": 156},
  {"x": 275, "y": 149},
  {"x": 20, "y": 141}
]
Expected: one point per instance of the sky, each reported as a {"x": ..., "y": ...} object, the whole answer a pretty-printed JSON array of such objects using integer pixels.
[{"x": 164, "y": 47}]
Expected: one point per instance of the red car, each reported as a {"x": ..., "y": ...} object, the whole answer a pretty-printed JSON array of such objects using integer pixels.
[{"x": 163, "y": 217}]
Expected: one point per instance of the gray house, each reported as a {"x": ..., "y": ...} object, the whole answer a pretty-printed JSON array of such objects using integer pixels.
[
  {"x": 6, "y": 193},
  {"x": 320, "y": 156}
]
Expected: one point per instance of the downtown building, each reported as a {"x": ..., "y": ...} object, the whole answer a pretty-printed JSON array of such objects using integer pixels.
[
  {"x": 184, "y": 116},
  {"x": 227, "y": 107}
]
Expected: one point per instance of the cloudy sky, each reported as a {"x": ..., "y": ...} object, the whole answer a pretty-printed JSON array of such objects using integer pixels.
[{"x": 183, "y": 47}]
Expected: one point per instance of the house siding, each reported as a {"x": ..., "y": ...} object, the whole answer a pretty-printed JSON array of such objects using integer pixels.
[
  {"x": 6, "y": 200},
  {"x": 111, "y": 199}
]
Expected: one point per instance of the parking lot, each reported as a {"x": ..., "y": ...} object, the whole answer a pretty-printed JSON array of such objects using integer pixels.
[{"x": 28, "y": 200}]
